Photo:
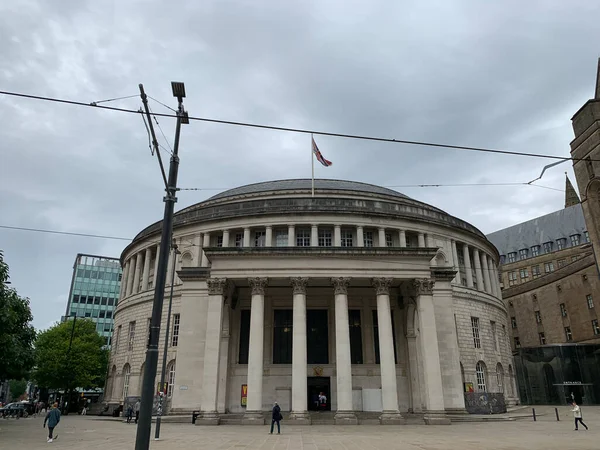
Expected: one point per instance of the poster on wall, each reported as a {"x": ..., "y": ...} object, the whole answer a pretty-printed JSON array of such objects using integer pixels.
[
  {"x": 469, "y": 387},
  {"x": 244, "y": 394}
]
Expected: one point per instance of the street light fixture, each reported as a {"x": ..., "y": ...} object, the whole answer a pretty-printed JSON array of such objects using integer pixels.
[{"x": 178, "y": 89}]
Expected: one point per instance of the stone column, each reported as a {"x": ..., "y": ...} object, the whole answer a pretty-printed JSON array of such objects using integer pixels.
[
  {"x": 130, "y": 275},
  {"x": 413, "y": 360},
  {"x": 430, "y": 241},
  {"x": 457, "y": 279},
  {"x": 432, "y": 377},
  {"x": 198, "y": 248},
  {"x": 254, "y": 413},
  {"x": 402, "y": 235},
  {"x": 344, "y": 413},
  {"x": 246, "y": 242},
  {"x": 389, "y": 391},
  {"x": 205, "y": 245},
  {"x": 212, "y": 350},
  {"x": 291, "y": 236},
  {"x": 382, "y": 237},
  {"x": 225, "y": 238},
  {"x": 337, "y": 236},
  {"x": 478, "y": 273},
  {"x": 269, "y": 236},
  {"x": 314, "y": 236},
  {"x": 421, "y": 240},
  {"x": 299, "y": 371},
  {"x": 124, "y": 277},
  {"x": 138, "y": 269},
  {"x": 454, "y": 400},
  {"x": 498, "y": 289},
  {"x": 468, "y": 270},
  {"x": 146, "y": 273},
  {"x": 224, "y": 362},
  {"x": 156, "y": 265},
  {"x": 360, "y": 236},
  {"x": 486, "y": 273}
]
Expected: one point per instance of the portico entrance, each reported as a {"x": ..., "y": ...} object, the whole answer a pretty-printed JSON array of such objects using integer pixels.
[{"x": 316, "y": 385}]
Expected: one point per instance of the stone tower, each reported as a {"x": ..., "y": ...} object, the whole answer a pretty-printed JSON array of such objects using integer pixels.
[
  {"x": 571, "y": 197},
  {"x": 585, "y": 150}
]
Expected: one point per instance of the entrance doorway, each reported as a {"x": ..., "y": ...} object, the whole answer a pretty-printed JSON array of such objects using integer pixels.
[{"x": 316, "y": 385}]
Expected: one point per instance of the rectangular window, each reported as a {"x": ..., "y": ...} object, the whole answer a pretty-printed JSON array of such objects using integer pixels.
[
  {"x": 347, "y": 238},
  {"x": 563, "y": 310},
  {"x": 281, "y": 238},
  {"x": 475, "y": 330},
  {"x": 111, "y": 301},
  {"x": 568, "y": 334},
  {"x": 259, "y": 238},
  {"x": 303, "y": 237},
  {"x": 595, "y": 327},
  {"x": 131, "y": 336},
  {"x": 535, "y": 250},
  {"x": 376, "y": 338},
  {"x": 512, "y": 278},
  {"x": 590, "y": 301},
  {"x": 549, "y": 267},
  {"x": 239, "y": 239},
  {"x": 175, "y": 335},
  {"x": 101, "y": 314},
  {"x": 368, "y": 238},
  {"x": 356, "y": 351},
  {"x": 524, "y": 275},
  {"x": 282, "y": 336},
  {"x": 586, "y": 236},
  {"x": 517, "y": 342},
  {"x": 109, "y": 314},
  {"x": 389, "y": 242},
  {"x": 512, "y": 257},
  {"x": 244, "y": 336},
  {"x": 542, "y": 337},
  {"x": 561, "y": 243},
  {"x": 461, "y": 259},
  {"x": 325, "y": 239},
  {"x": 575, "y": 240},
  {"x": 535, "y": 271},
  {"x": 561, "y": 263},
  {"x": 538, "y": 317},
  {"x": 502, "y": 259},
  {"x": 575, "y": 258},
  {"x": 97, "y": 300},
  {"x": 547, "y": 247},
  {"x": 513, "y": 322},
  {"x": 317, "y": 336},
  {"x": 523, "y": 253},
  {"x": 220, "y": 241},
  {"x": 494, "y": 337}
]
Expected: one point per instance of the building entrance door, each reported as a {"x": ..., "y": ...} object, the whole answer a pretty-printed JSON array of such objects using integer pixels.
[{"x": 316, "y": 386}]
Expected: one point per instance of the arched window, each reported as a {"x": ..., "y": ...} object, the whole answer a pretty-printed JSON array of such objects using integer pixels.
[
  {"x": 170, "y": 378},
  {"x": 500, "y": 377},
  {"x": 126, "y": 374},
  {"x": 186, "y": 260},
  {"x": 481, "y": 376}
]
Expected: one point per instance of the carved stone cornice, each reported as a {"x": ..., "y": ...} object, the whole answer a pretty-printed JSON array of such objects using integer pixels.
[
  {"x": 340, "y": 285},
  {"x": 258, "y": 285},
  {"x": 382, "y": 285},
  {"x": 216, "y": 286},
  {"x": 299, "y": 285},
  {"x": 443, "y": 274},
  {"x": 423, "y": 286}
]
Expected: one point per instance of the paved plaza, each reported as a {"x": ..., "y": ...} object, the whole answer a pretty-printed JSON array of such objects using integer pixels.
[{"x": 91, "y": 433}]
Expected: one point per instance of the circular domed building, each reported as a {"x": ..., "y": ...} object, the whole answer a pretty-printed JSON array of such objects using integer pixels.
[{"x": 358, "y": 300}]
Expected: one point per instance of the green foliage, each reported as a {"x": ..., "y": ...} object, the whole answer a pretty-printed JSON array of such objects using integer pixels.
[
  {"x": 16, "y": 332},
  {"x": 17, "y": 388},
  {"x": 84, "y": 366}
]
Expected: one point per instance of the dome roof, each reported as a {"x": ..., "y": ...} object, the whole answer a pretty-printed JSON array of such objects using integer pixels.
[{"x": 305, "y": 184}]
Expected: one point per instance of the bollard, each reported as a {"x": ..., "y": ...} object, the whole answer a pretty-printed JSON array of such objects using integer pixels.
[
  {"x": 534, "y": 418},
  {"x": 557, "y": 416}
]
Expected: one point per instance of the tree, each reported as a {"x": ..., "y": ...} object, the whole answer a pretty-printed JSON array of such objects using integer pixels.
[
  {"x": 17, "y": 388},
  {"x": 83, "y": 366},
  {"x": 16, "y": 332}
]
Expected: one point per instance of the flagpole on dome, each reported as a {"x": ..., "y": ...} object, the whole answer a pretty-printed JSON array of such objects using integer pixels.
[{"x": 312, "y": 160}]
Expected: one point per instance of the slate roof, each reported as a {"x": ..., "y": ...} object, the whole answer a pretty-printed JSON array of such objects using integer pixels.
[
  {"x": 305, "y": 184},
  {"x": 553, "y": 226}
]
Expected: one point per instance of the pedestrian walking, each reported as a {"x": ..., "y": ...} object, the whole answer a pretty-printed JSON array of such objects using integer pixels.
[
  {"x": 129, "y": 413},
  {"x": 136, "y": 408},
  {"x": 276, "y": 417},
  {"x": 52, "y": 417},
  {"x": 577, "y": 413}
]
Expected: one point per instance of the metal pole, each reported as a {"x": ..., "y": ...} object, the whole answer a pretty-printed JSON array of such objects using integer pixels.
[
  {"x": 534, "y": 417},
  {"x": 67, "y": 366},
  {"x": 142, "y": 439},
  {"x": 164, "y": 361},
  {"x": 557, "y": 416}
]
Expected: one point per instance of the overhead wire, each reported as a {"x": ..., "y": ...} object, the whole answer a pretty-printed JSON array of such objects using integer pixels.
[{"x": 301, "y": 130}]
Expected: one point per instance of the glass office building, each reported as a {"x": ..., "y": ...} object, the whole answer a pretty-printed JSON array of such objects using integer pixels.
[
  {"x": 559, "y": 374},
  {"x": 95, "y": 291}
]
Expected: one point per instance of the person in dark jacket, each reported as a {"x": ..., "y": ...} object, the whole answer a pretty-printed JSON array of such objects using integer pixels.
[
  {"x": 129, "y": 413},
  {"x": 52, "y": 417},
  {"x": 276, "y": 417}
]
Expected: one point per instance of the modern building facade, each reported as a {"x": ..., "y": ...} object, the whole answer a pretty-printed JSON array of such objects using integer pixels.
[
  {"x": 94, "y": 292},
  {"x": 383, "y": 303}
]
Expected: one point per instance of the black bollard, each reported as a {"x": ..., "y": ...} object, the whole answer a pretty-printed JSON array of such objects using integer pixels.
[
  {"x": 534, "y": 418},
  {"x": 557, "y": 417}
]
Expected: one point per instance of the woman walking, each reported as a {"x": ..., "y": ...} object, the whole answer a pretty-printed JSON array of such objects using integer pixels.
[
  {"x": 577, "y": 413},
  {"x": 52, "y": 417}
]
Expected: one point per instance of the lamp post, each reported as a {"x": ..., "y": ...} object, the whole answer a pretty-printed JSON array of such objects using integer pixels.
[
  {"x": 65, "y": 399},
  {"x": 142, "y": 440}
]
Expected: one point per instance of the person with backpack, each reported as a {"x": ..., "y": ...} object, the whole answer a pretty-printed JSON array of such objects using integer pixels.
[
  {"x": 578, "y": 419},
  {"x": 52, "y": 418},
  {"x": 276, "y": 417}
]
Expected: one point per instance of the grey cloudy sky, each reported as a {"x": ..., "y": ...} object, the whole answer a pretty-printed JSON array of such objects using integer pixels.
[{"x": 504, "y": 74}]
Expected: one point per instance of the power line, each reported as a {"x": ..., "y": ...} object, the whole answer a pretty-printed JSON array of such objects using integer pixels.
[
  {"x": 303, "y": 131},
  {"x": 38, "y": 230}
]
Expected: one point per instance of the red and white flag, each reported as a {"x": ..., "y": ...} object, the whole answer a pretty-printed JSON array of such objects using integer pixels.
[{"x": 318, "y": 154}]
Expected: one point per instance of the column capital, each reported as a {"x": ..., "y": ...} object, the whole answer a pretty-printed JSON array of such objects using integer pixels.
[
  {"x": 340, "y": 285},
  {"x": 382, "y": 285},
  {"x": 423, "y": 286},
  {"x": 216, "y": 286},
  {"x": 258, "y": 285},
  {"x": 299, "y": 285}
]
